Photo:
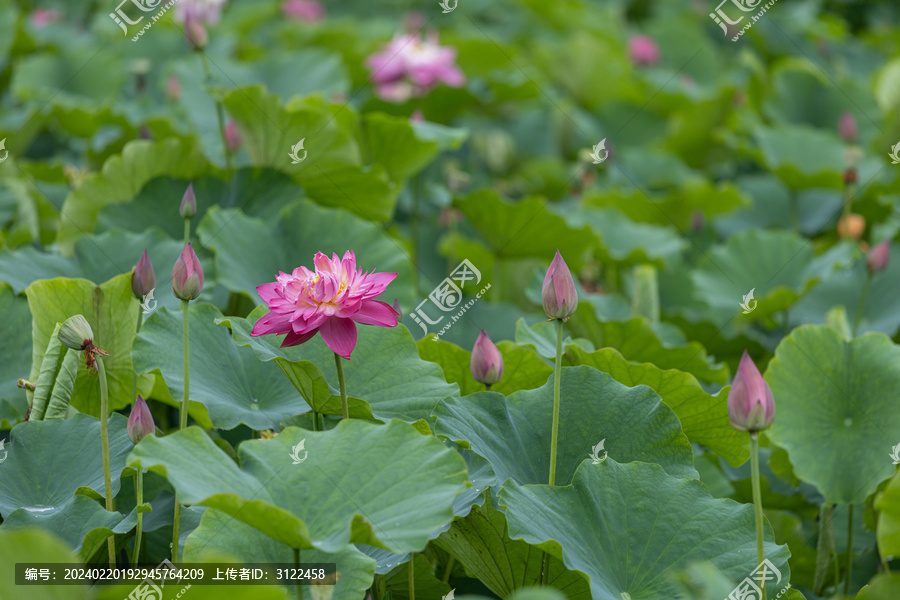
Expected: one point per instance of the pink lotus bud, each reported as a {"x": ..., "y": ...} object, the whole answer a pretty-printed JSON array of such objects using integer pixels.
[
  {"x": 486, "y": 364},
  {"x": 877, "y": 258},
  {"x": 233, "y": 139},
  {"x": 140, "y": 421},
  {"x": 173, "y": 88},
  {"x": 697, "y": 221},
  {"x": 303, "y": 10},
  {"x": 143, "y": 278},
  {"x": 188, "y": 206},
  {"x": 558, "y": 293},
  {"x": 750, "y": 402},
  {"x": 195, "y": 33},
  {"x": 847, "y": 127},
  {"x": 643, "y": 50},
  {"x": 187, "y": 275}
]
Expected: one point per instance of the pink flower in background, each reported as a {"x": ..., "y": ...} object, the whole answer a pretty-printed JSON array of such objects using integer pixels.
[
  {"x": 331, "y": 300},
  {"x": 233, "y": 137},
  {"x": 643, "y": 50},
  {"x": 208, "y": 12},
  {"x": 847, "y": 127},
  {"x": 304, "y": 10},
  {"x": 41, "y": 17},
  {"x": 409, "y": 66}
]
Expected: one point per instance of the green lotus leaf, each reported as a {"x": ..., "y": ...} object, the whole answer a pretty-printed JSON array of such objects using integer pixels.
[
  {"x": 833, "y": 408},
  {"x": 392, "y": 142},
  {"x": 36, "y": 546},
  {"x": 232, "y": 385},
  {"x": 888, "y": 505},
  {"x": 882, "y": 587},
  {"x": 427, "y": 585},
  {"x": 514, "y": 433},
  {"x": 801, "y": 156},
  {"x": 624, "y": 241},
  {"x": 385, "y": 486},
  {"x": 626, "y": 526},
  {"x": 14, "y": 356}
]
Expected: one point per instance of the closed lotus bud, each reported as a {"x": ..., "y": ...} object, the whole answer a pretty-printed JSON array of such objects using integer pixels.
[
  {"x": 558, "y": 294},
  {"x": 750, "y": 402},
  {"x": 76, "y": 333},
  {"x": 188, "y": 206},
  {"x": 233, "y": 139},
  {"x": 877, "y": 258},
  {"x": 852, "y": 226},
  {"x": 143, "y": 279},
  {"x": 850, "y": 176},
  {"x": 140, "y": 421},
  {"x": 847, "y": 127},
  {"x": 173, "y": 88},
  {"x": 195, "y": 33},
  {"x": 487, "y": 363},
  {"x": 187, "y": 275}
]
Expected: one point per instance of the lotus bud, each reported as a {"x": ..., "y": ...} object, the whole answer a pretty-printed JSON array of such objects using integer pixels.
[
  {"x": 698, "y": 220},
  {"x": 188, "y": 203},
  {"x": 187, "y": 275},
  {"x": 195, "y": 33},
  {"x": 233, "y": 139},
  {"x": 173, "y": 88},
  {"x": 487, "y": 363},
  {"x": 850, "y": 176},
  {"x": 558, "y": 294},
  {"x": 140, "y": 421},
  {"x": 143, "y": 278},
  {"x": 877, "y": 258},
  {"x": 852, "y": 226},
  {"x": 76, "y": 333},
  {"x": 643, "y": 50},
  {"x": 847, "y": 127},
  {"x": 750, "y": 402}
]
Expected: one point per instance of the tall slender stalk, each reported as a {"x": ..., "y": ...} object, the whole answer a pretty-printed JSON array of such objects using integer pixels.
[
  {"x": 412, "y": 577},
  {"x": 139, "y": 494},
  {"x": 345, "y": 409},
  {"x": 133, "y": 372},
  {"x": 448, "y": 569},
  {"x": 104, "y": 441},
  {"x": 220, "y": 117},
  {"x": 187, "y": 231},
  {"x": 297, "y": 565},
  {"x": 849, "y": 550},
  {"x": 757, "y": 502},
  {"x": 182, "y": 416},
  {"x": 554, "y": 435}
]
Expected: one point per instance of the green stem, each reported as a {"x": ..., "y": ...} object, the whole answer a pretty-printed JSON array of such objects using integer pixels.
[
  {"x": 134, "y": 372},
  {"x": 220, "y": 117},
  {"x": 412, "y": 577},
  {"x": 849, "y": 550},
  {"x": 414, "y": 230},
  {"x": 316, "y": 421},
  {"x": 557, "y": 375},
  {"x": 345, "y": 410},
  {"x": 297, "y": 564},
  {"x": 545, "y": 569},
  {"x": 182, "y": 418},
  {"x": 449, "y": 568},
  {"x": 487, "y": 387},
  {"x": 104, "y": 442},
  {"x": 187, "y": 231},
  {"x": 862, "y": 302},
  {"x": 139, "y": 492},
  {"x": 757, "y": 502}
]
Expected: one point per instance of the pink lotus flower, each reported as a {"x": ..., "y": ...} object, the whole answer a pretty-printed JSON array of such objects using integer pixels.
[
  {"x": 751, "y": 405},
  {"x": 173, "y": 88},
  {"x": 409, "y": 66},
  {"x": 233, "y": 139},
  {"x": 41, "y": 17},
  {"x": 643, "y": 50},
  {"x": 330, "y": 300},
  {"x": 878, "y": 257},
  {"x": 487, "y": 362},
  {"x": 559, "y": 296},
  {"x": 187, "y": 275},
  {"x": 847, "y": 127},
  {"x": 303, "y": 10},
  {"x": 140, "y": 421},
  {"x": 208, "y": 12}
]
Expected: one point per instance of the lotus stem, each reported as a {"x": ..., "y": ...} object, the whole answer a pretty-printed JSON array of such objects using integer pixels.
[
  {"x": 133, "y": 372},
  {"x": 862, "y": 302},
  {"x": 345, "y": 409},
  {"x": 757, "y": 502},
  {"x": 299, "y": 588},
  {"x": 412, "y": 577},
  {"x": 220, "y": 117},
  {"x": 104, "y": 441},
  {"x": 187, "y": 231},
  {"x": 447, "y": 570},
  {"x": 849, "y": 550},
  {"x": 556, "y": 377},
  {"x": 182, "y": 416},
  {"x": 139, "y": 494}
]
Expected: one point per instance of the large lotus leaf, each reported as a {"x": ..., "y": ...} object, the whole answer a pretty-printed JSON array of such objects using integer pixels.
[
  {"x": 121, "y": 179},
  {"x": 803, "y": 157},
  {"x": 834, "y": 407},
  {"x": 624, "y": 241},
  {"x": 251, "y": 252},
  {"x": 112, "y": 312},
  {"x": 514, "y": 433},
  {"x": 523, "y": 369},
  {"x": 392, "y": 142},
  {"x": 385, "y": 486},
  {"x": 233, "y": 386},
  {"x": 627, "y": 525},
  {"x": 385, "y": 370},
  {"x": 542, "y": 337},
  {"x": 882, "y": 587},
  {"x": 14, "y": 355},
  {"x": 636, "y": 340},
  {"x": 481, "y": 544},
  {"x": 35, "y": 546},
  {"x": 880, "y": 312},
  {"x": 888, "y": 505},
  {"x": 220, "y": 535},
  {"x": 779, "y": 273},
  {"x": 524, "y": 228},
  {"x": 704, "y": 418}
]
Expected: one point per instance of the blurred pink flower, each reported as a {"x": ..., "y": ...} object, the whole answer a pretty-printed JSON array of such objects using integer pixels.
[
  {"x": 643, "y": 50},
  {"x": 847, "y": 127},
  {"x": 304, "y": 10},
  {"x": 208, "y": 12},
  {"x": 409, "y": 66},
  {"x": 330, "y": 300},
  {"x": 41, "y": 17},
  {"x": 173, "y": 88},
  {"x": 233, "y": 137}
]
